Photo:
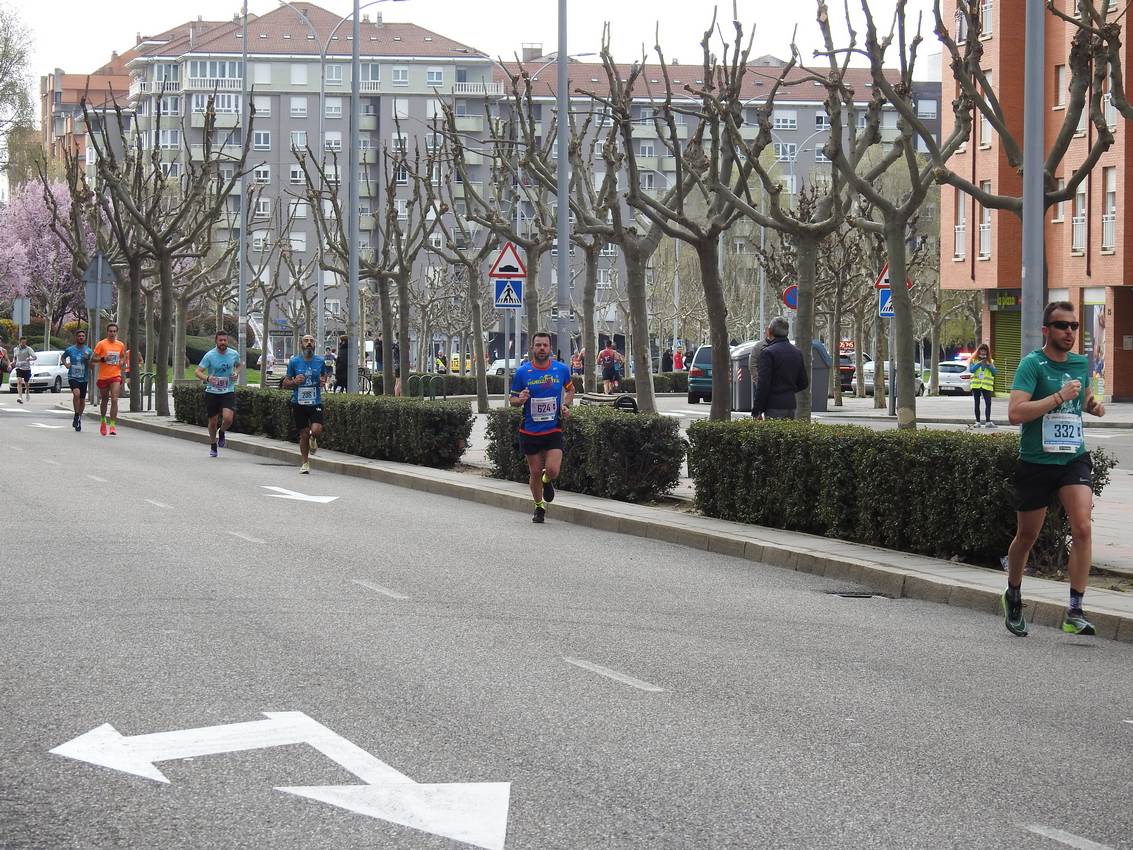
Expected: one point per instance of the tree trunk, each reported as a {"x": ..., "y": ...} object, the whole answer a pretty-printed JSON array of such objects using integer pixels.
[
  {"x": 639, "y": 329},
  {"x": 859, "y": 354},
  {"x": 880, "y": 355},
  {"x": 151, "y": 335},
  {"x": 133, "y": 337},
  {"x": 180, "y": 328},
  {"x": 531, "y": 294},
  {"x": 836, "y": 340},
  {"x": 904, "y": 356},
  {"x": 589, "y": 328},
  {"x": 479, "y": 366},
  {"x": 806, "y": 245},
  {"x": 403, "y": 321},
  {"x": 708, "y": 252},
  {"x": 386, "y": 310},
  {"x": 164, "y": 332}
]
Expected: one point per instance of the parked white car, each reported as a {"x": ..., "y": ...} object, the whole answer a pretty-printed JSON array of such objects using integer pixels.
[
  {"x": 496, "y": 367},
  {"x": 46, "y": 373},
  {"x": 867, "y": 374},
  {"x": 954, "y": 377}
]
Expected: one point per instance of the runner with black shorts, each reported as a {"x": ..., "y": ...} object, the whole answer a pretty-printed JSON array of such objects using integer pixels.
[
  {"x": 306, "y": 376},
  {"x": 77, "y": 360},
  {"x": 218, "y": 369},
  {"x": 544, "y": 390},
  {"x": 1051, "y": 389}
]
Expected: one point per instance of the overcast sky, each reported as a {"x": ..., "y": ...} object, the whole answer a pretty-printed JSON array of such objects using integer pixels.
[{"x": 78, "y": 35}]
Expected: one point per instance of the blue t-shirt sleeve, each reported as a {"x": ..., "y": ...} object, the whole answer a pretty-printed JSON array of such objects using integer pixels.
[
  {"x": 206, "y": 360},
  {"x": 1026, "y": 376},
  {"x": 291, "y": 371},
  {"x": 518, "y": 382}
]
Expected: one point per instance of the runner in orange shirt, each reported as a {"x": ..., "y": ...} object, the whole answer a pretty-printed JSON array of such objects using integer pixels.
[{"x": 110, "y": 355}]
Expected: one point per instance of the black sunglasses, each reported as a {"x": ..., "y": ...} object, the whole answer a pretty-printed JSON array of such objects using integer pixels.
[{"x": 1063, "y": 326}]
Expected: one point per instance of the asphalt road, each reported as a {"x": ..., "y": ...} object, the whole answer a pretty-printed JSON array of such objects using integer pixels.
[{"x": 633, "y": 694}]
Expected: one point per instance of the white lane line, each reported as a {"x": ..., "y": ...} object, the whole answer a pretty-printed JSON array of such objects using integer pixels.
[
  {"x": 158, "y": 504},
  {"x": 1067, "y": 838},
  {"x": 96, "y": 478},
  {"x": 51, "y": 462},
  {"x": 392, "y": 594},
  {"x": 15, "y": 448},
  {"x": 613, "y": 674},
  {"x": 61, "y": 412},
  {"x": 246, "y": 537},
  {"x": 1127, "y": 721}
]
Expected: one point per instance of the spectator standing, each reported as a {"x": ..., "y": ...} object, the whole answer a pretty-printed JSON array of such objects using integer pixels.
[
  {"x": 780, "y": 375},
  {"x": 340, "y": 364},
  {"x": 679, "y": 360},
  {"x": 982, "y": 367},
  {"x": 667, "y": 360}
]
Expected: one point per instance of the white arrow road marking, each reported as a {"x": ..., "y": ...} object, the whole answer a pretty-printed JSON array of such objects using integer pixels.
[
  {"x": 281, "y": 493},
  {"x": 245, "y": 537},
  {"x": 473, "y": 812},
  {"x": 43, "y": 425},
  {"x": 613, "y": 674},
  {"x": 158, "y": 504},
  {"x": 1067, "y": 838},
  {"x": 393, "y": 594}
]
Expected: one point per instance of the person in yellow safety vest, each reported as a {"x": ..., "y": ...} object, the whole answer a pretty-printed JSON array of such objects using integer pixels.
[{"x": 982, "y": 368}]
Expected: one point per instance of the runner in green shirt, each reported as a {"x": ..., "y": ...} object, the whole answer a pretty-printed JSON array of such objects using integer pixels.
[{"x": 1050, "y": 392}]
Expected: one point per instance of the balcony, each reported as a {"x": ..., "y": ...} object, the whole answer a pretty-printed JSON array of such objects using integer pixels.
[
  {"x": 214, "y": 84},
  {"x": 469, "y": 123},
  {"x": 370, "y": 87},
  {"x": 147, "y": 87},
  {"x": 485, "y": 89},
  {"x": 1109, "y": 231},
  {"x": 1078, "y": 234},
  {"x": 367, "y": 156},
  {"x": 366, "y": 222},
  {"x": 367, "y": 123},
  {"x": 960, "y": 242},
  {"x": 223, "y": 119},
  {"x": 985, "y": 240}
]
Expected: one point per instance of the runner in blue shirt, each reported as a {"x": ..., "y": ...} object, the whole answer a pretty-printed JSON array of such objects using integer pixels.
[
  {"x": 77, "y": 360},
  {"x": 218, "y": 370},
  {"x": 306, "y": 376},
  {"x": 544, "y": 390}
]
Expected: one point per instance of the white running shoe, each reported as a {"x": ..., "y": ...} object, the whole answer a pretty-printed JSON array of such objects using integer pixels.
[
  {"x": 990, "y": 424},
  {"x": 305, "y": 469}
]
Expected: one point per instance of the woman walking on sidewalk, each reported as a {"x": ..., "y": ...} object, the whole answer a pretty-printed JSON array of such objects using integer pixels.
[{"x": 982, "y": 368}]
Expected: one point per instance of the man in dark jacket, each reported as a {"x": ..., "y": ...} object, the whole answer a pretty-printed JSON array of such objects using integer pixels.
[{"x": 781, "y": 374}]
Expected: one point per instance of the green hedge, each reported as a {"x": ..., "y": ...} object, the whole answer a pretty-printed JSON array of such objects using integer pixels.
[
  {"x": 425, "y": 433},
  {"x": 939, "y": 493},
  {"x": 606, "y": 452}
]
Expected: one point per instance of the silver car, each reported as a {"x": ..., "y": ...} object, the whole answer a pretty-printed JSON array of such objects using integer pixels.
[
  {"x": 46, "y": 373},
  {"x": 953, "y": 377}
]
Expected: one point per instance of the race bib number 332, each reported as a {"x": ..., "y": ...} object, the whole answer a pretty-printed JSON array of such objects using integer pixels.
[{"x": 1062, "y": 432}]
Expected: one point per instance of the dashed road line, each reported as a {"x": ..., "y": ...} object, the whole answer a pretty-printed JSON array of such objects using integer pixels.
[
  {"x": 392, "y": 594},
  {"x": 246, "y": 537},
  {"x": 1067, "y": 838},
  {"x": 50, "y": 462},
  {"x": 159, "y": 504},
  {"x": 96, "y": 478},
  {"x": 613, "y": 674}
]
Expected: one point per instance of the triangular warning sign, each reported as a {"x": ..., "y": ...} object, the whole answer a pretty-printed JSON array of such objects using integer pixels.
[
  {"x": 508, "y": 264},
  {"x": 882, "y": 281},
  {"x": 508, "y": 298}
]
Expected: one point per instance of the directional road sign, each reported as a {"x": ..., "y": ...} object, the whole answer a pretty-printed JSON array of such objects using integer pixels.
[
  {"x": 509, "y": 293},
  {"x": 21, "y": 311},
  {"x": 99, "y": 278},
  {"x": 885, "y": 303}
]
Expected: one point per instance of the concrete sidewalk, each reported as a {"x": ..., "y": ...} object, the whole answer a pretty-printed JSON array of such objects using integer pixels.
[
  {"x": 959, "y": 410},
  {"x": 885, "y": 572}
]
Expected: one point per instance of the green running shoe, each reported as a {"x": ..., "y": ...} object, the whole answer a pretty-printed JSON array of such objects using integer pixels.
[
  {"x": 1076, "y": 623},
  {"x": 1013, "y": 615},
  {"x": 539, "y": 515}
]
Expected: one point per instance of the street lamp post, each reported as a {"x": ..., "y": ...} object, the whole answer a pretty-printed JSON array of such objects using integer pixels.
[
  {"x": 242, "y": 255},
  {"x": 1033, "y": 272},
  {"x": 563, "y": 187}
]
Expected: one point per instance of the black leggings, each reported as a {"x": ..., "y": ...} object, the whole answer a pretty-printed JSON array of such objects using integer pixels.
[{"x": 986, "y": 394}]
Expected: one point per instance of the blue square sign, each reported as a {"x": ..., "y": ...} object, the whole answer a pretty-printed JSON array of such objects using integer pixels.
[
  {"x": 885, "y": 303},
  {"x": 509, "y": 293}
]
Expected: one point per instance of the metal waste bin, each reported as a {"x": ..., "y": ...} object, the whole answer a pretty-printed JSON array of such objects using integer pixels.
[
  {"x": 820, "y": 364},
  {"x": 741, "y": 377}
]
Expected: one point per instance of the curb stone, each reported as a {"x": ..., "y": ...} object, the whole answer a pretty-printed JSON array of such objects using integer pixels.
[{"x": 924, "y": 579}]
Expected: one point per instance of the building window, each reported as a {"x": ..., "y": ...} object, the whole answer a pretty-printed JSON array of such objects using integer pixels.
[
  {"x": 296, "y": 175},
  {"x": 298, "y": 74},
  {"x": 298, "y": 241},
  {"x": 371, "y": 72},
  {"x": 399, "y": 144},
  {"x": 400, "y": 108},
  {"x": 261, "y": 140},
  {"x": 1078, "y": 221},
  {"x": 262, "y": 104},
  {"x": 401, "y": 174},
  {"x": 605, "y": 278},
  {"x": 298, "y": 107},
  {"x": 334, "y": 73},
  {"x": 401, "y": 206},
  {"x": 1109, "y": 209},
  {"x": 263, "y": 208},
  {"x": 297, "y": 209},
  {"x": 926, "y": 108},
  {"x": 214, "y": 69},
  {"x": 961, "y": 26},
  {"x": 334, "y": 107},
  {"x": 820, "y": 154},
  {"x": 1110, "y": 111},
  {"x": 437, "y": 240},
  {"x": 786, "y": 151},
  {"x": 170, "y": 105},
  {"x": 821, "y": 121},
  {"x": 785, "y": 119},
  {"x": 647, "y": 149},
  {"x": 645, "y": 181},
  {"x": 609, "y": 250},
  {"x": 985, "y": 224},
  {"x": 401, "y": 75},
  {"x": 261, "y": 73},
  {"x": 1060, "y": 206},
  {"x": 333, "y": 141},
  {"x": 262, "y": 174},
  {"x": 171, "y": 169},
  {"x": 960, "y": 239},
  {"x": 259, "y": 241},
  {"x": 1061, "y": 85},
  {"x": 986, "y": 8},
  {"x": 434, "y": 77},
  {"x": 169, "y": 139},
  {"x": 299, "y": 140},
  {"x": 985, "y": 125}
]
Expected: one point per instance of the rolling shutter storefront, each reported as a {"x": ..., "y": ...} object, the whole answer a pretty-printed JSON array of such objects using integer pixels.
[{"x": 1006, "y": 342}]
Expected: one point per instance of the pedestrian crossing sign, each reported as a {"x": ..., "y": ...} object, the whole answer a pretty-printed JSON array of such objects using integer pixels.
[
  {"x": 885, "y": 303},
  {"x": 509, "y": 293}
]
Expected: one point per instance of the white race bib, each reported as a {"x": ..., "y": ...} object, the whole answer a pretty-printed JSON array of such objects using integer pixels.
[
  {"x": 77, "y": 371},
  {"x": 1062, "y": 433},
  {"x": 112, "y": 358},
  {"x": 544, "y": 409},
  {"x": 307, "y": 395},
  {"x": 218, "y": 382}
]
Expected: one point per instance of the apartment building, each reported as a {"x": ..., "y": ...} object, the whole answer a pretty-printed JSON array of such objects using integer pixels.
[
  {"x": 1089, "y": 252},
  {"x": 61, "y": 123}
]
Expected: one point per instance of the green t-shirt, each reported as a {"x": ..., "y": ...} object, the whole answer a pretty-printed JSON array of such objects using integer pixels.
[{"x": 1042, "y": 377}]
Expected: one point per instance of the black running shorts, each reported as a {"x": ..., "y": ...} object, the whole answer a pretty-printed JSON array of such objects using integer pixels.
[{"x": 1037, "y": 483}]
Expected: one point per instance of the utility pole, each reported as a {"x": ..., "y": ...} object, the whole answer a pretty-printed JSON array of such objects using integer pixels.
[
  {"x": 1034, "y": 254},
  {"x": 562, "y": 207},
  {"x": 242, "y": 258},
  {"x": 352, "y": 345}
]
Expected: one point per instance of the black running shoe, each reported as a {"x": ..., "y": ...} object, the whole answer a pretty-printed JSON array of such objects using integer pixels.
[
  {"x": 220, "y": 439},
  {"x": 539, "y": 515},
  {"x": 548, "y": 490},
  {"x": 1013, "y": 614}
]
